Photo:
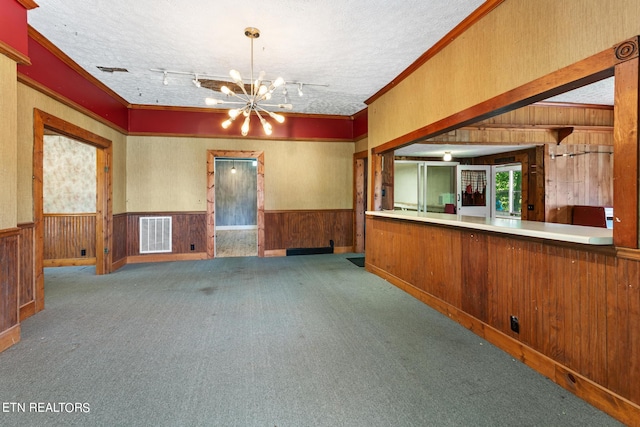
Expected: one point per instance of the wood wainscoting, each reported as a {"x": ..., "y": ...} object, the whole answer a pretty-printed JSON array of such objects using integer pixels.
[
  {"x": 27, "y": 289},
  {"x": 69, "y": 239},
  {"x": 577, "y": 306},
  {"x": 188, "y": 228},
  {"x": 308, "y": 229},
  {"x": 119, "y": 242},
  {"x": 9, "y": 287}
]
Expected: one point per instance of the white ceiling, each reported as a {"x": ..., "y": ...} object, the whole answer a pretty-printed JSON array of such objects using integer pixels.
[{"x": 355, "y": 47}]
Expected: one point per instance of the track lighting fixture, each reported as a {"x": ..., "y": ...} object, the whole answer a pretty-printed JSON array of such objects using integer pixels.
[
  {"x": 286, "y": 94},
  {"x": 165, "y": 80},
  {"x": 300, "y": 89},
  {"x": 233, "y": 168},
  {"x": 196, "y": 81}
]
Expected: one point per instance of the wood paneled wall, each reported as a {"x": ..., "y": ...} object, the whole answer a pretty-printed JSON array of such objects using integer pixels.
[
  {"x": 582, "y": 179},
  {"x": 66, "y": 235},
  {"x": 188, "y": 228},
  {"x": 578, "y": 306},
  {"x": 27, "y": 291},
  {"x": 120, "y": 238},
  {"x": 308, "y": 229},
  {"x": 9, "y": 279}
]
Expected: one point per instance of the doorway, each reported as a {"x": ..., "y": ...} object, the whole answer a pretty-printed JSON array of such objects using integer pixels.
[
  {"x": 46, "y": 123},
  {"x": 212, "y": 203},
  {"x": 236, "y": 213}
]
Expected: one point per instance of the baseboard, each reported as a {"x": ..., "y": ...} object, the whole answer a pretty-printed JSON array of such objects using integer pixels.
[
  {"x": 9, "y": 337},
  {"x": 137, "y": 259},
  {"x": 283, "y": 252},
  {"x": 342, "y": 249},
  {"x": 602, "y": 398},
  {"x": 27, "y": 310},
  {"x": 275, "y": 253},
  {"x": 68, "y": 262},
  {"x": 118, "y": 264}
]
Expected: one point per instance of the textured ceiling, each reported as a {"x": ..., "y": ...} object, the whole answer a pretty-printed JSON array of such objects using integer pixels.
[
  {"x": 343, "y": 51},
  {"x": 354, "y": 47}
]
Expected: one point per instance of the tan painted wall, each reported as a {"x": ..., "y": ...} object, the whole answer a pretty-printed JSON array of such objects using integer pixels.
[
  {"x": 519, "y": 41},
  {"x": 362, "y": 145},
  {"x": 28, "y": 99},
  {"x": 8, "y": 135},
  {"x": 169, "y": 174}
]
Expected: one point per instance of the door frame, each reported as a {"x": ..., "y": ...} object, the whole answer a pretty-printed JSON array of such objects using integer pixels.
[
  {"x": 360, "y": 178},
  {"x": 211, "y": 195},
  {"x": 104, "y": 194}
]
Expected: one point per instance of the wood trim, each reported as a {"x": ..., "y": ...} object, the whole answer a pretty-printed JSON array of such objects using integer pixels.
[
  {"x": 360, "y": 176},
  {"x": 342, "y": 249},
  {"x": 28, "y": 4},
  {"x": 617, "y": 406},
  {"x": 8, "y": 232},
  {"x": 27, "y": 310},
  {"x": 208, "y": 110},
  {"x": 72, "y": 131},
  {"x": 42, "y": 40},
  {"x": 582, "y": 73},
  {"x": 65, "y": 262},
  {"x": 104, "y": 193},
  {"x": 239, "y": 137},
  {"x": 625, "y": 147},
  {"x": 165, "y": 213},
  {"x": 364, "y": 154},
  {"x": 28, "y": 81},
  {"x": 536, "y": 127},
  {"x": 283, "y": 252},
  {"x": 136, "y": 259},
  {"x": 306, "y": 211},
  {"x": 275, "y": 253},
  {"x": 628, "y": 253},
  {"x": 74, "y": 214},
  {"x": 118, "y": 264},
  {"x": 9, "y": 337},
  {"x": 13, "y": 53},
  {"x": 458, "y": 30},
  {"x": 573, "y": 105},
  {"x": 211, "y": 195}
]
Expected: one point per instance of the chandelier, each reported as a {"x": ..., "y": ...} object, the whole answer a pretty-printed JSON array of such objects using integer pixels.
[{"x": 252, "y": 96}]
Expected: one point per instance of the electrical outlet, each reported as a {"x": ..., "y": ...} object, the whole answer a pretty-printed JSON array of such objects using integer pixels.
[
  {"x": 515, "y": 325},
  {"x": 193, "y": 247},
  {"x": 83, "y": 252}
]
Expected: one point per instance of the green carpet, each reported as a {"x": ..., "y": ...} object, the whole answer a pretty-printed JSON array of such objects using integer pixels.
[{"x": 290, "y": 341}]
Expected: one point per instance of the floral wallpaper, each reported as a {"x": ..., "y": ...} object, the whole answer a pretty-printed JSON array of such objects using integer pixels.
[{"x": 69, "y": 176}]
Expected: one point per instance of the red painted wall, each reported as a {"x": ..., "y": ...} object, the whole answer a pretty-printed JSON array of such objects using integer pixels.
[
  {"x": 208, "y": 123},
  {"x": 56, "y": 72},
  {"x": 51, "y": 72},
  {"x": 13, "y": 25}
]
